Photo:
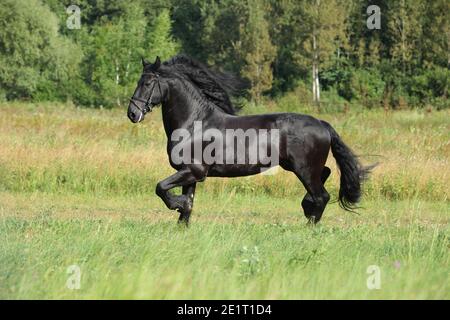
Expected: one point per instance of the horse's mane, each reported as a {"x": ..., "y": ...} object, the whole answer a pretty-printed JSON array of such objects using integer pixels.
[{"x": 215, "y": 86}]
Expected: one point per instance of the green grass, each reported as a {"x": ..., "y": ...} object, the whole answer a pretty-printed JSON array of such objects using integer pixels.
[
  {"x": 77, "y": 188},
  {"x": 244, "y": 249}
]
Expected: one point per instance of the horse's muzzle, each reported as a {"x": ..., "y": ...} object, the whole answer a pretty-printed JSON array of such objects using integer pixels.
[{"x": 135, "y": 115}]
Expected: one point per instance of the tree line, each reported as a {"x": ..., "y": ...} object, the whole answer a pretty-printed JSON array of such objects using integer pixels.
[{"x": 324, "y": 49}]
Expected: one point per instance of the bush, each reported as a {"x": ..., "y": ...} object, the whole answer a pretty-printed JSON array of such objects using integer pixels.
[
  {"x": 367, "y": 87},
  {"x": 338, "y": 77},
  {"x": 298, "y": 100},
  {"x": 34, "y": 64},
  {"x": 331, "y": 101},
  {"x": 429, "y": 87},
  {"x": 440, "y": 103}
]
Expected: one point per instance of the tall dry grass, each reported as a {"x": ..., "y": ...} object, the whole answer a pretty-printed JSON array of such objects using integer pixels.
[{"x": 64, "y": 149}]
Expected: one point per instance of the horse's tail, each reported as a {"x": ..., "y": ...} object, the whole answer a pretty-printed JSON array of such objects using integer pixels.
[{"x": 353, "y": 173}]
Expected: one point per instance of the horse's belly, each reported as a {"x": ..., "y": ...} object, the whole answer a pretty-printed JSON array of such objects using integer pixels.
[{"x": 235, "y": 170}]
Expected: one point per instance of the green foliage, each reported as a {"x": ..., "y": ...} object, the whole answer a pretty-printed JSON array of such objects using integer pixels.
[
  {"x": 113, "y": 52},
  {"x": 367, "y": 87},
  {"x": 430, "y": 87},
  {"x": 257, "y": 50},
  {"x": 363, "y": 85},
  {"x": 35, "y": 61},
  {"x": 160, "y": 41},
  {"x": 405, "y": 29},
  {"x": 338, "y": 76},
  {"x": 112, "y": 47},
  {"x": 276, "y": 44},
  {"x": 296, "y": 100}
]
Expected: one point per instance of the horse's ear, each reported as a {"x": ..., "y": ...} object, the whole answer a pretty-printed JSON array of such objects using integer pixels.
[
  {"x": 144, "y": 62},
  {"x": 157, "y": 63}
]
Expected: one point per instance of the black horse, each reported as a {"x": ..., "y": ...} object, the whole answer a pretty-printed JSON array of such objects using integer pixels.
[{"x": 195, "y": 97}]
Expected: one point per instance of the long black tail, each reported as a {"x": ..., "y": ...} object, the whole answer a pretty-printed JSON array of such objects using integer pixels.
[{"x": 353, "y": 173}]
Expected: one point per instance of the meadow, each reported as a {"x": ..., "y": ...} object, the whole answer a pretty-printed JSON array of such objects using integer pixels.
[{"x": 77, "y": 188}]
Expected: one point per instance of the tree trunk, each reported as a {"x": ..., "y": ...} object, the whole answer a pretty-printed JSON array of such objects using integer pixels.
[
  {"x": 315, "y": 73},
  {"x": 314, "y": 81},
  {"x": 117, "y": 82}
]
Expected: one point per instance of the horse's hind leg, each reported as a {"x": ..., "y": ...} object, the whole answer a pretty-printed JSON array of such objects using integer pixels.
[
  {"x": 315, "y": 201},
  {"x": 185, "y": 213},
  {"x": 325, "y": 174}
]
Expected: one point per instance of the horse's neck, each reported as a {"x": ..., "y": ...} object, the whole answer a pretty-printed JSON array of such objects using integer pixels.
[{"x": 183, "y": 109}]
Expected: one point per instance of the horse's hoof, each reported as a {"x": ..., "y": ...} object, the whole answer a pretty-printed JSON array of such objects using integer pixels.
[
  {"x": 179, "y": 203},
  {"x": 183, "y": 223},
  {"x": 312, "y": 220}
]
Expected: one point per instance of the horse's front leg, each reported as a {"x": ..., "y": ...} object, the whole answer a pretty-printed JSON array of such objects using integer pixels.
[
  {"x": 184, "y": 178},
  {"x": 185, "y": 213}
]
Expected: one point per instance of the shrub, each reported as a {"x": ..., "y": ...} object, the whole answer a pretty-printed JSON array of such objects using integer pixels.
[
  {"x": 34, "y": 64},
  {"x": 367, "y": 87}
]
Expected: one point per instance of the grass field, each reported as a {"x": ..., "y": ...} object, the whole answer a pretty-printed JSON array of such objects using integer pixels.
[{"x": 77, "y": 188}]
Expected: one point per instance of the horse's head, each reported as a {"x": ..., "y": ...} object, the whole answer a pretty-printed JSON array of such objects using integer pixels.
[{"x": 151, "y": 90}]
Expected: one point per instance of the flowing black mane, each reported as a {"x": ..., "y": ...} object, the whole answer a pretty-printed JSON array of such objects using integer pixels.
[{"x": 215, "y": 86}]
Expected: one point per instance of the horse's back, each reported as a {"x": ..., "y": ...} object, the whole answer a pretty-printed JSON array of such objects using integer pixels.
[{"x": 287, "y": 123}]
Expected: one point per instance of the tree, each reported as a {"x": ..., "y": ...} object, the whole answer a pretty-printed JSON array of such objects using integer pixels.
[
  {"x": 159, "y": 40},
  {"x": 188, "y": 27},
  {"x": 114, "y": 49},
  {"x": 405, "y": 29},
  {"x": 209, "y": 30},
  {"x": 37, "y": 64},
  {"x": 287, "y": 20},
  {"x": 325, "y": 28},
  {"x": 257, "y": 49},
  {"x": 277, "y": 44},
  {"x": 367, "y": 47},
  {"x": 434, "y": 43}
]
